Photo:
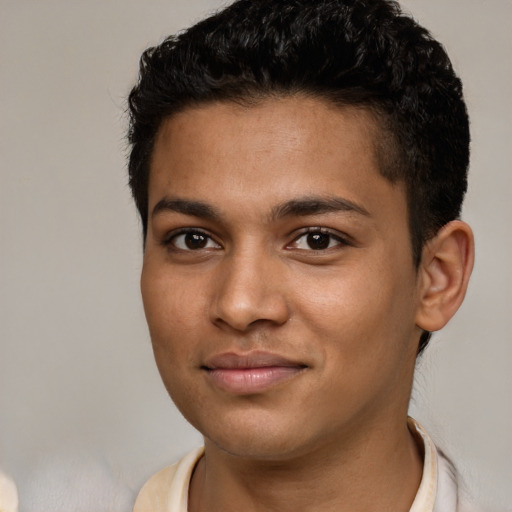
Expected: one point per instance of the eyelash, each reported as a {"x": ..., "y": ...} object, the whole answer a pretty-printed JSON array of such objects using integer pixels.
[
  {"x": 337, "y": 237},
  {"x": 170, "y": 240}
]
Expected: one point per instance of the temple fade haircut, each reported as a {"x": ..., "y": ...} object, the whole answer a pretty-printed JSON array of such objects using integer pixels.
[{"x": 361, "y": 53}]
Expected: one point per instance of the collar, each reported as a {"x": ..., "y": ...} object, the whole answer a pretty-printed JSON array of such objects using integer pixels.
[
  {"x": 167, "y": 491},
  {"x": 438, "y": 487}
]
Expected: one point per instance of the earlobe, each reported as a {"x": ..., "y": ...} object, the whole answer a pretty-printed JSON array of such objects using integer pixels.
[{"x": 445, "y": 268}]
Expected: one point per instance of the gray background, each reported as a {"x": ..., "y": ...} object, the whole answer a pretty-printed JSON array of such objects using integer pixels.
[{"x": 84, "y": 419}]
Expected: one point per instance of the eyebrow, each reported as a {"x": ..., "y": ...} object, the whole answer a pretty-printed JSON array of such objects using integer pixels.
[
  {"x": 187, "y": 207},
  {"x": 305, "y": 206},
  {"x": 300, "y": 207}
]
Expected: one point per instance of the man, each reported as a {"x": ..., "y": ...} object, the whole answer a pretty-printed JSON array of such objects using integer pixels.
[{"x": 299, "y": 167}]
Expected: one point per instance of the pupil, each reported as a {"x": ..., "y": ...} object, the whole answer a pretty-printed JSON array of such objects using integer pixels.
[
  {"x": 318, "y": 240},
  {"x": 195, "y": 240}
]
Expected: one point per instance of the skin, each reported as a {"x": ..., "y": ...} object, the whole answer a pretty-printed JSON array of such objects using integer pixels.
[{"x": 229, "y": 268}]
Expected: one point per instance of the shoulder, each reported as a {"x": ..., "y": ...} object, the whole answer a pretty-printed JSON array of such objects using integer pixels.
[
  {"x": 167, "y": 490},
  {"x": 154, "y": 493},
  {"x": 8, "y": 494}
]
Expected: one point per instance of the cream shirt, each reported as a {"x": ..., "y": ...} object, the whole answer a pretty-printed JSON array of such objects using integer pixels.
[
  {"x": 167, "y": 490},
  {"x": 8, "y": 494}
]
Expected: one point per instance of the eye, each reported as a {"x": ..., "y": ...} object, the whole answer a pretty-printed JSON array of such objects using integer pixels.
[
  {"x": 191, "y": 240},
  {"x": 317, "y": 240}
]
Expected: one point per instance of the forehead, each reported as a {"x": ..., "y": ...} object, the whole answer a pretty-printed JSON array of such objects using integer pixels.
[
  {"x": 272, "y": 150},
  {"x": 295, "y": 117}
]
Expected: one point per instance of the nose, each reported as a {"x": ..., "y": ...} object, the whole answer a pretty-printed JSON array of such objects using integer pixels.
[{"x": 249, "y": 292}]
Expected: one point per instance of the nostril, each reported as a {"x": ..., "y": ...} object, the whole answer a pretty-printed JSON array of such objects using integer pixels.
[{"x": 251, "y": 314}]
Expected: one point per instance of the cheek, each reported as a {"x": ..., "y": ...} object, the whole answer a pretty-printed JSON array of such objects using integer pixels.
[
  {"x": 364, "y": 325},
  {"x": 171, "y": 308},
  {"x": 171, "y": 320},
  {"x": 359, "y": 311},
  {"x": 340, "y": 298}
]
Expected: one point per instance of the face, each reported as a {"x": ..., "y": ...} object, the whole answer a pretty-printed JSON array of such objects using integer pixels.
[{"x": 278, "y": 279}]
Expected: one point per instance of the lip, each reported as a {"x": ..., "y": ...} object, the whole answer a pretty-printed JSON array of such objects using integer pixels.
[{"x": 251, "y": 373}]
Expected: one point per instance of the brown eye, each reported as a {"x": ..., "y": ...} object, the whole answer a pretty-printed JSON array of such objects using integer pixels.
[
  {"x": 193, "y": 241},
  {"x": 318, "y": 241}
]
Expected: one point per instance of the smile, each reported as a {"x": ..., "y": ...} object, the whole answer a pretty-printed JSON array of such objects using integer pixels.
[{"x": 250, "y": 373}]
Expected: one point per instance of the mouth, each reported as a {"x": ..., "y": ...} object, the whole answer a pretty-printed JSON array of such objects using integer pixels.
[{"x": 245, "y": 374}]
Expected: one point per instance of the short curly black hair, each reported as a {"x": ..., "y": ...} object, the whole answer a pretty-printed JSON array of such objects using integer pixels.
[{"x": 365, "y": 53}]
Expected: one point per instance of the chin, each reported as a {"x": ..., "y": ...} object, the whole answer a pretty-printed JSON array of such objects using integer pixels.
[
  {"x": 258, "y": 439},
  {"x": 268, "y": 449}
]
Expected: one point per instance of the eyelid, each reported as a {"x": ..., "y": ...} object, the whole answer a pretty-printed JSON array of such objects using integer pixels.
[
  {"x": 342, "y": 238},
  {"x": 167, "y": 240}
]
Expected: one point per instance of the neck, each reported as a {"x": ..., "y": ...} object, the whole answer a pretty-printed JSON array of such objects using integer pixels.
[{"x": 379, "y": 469}]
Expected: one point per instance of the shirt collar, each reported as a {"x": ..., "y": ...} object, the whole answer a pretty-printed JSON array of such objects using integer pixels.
[
  {"x": 437, "y": 491},
  {"x": 438, "y": 487},
  {"x": 426, "y": 496}
]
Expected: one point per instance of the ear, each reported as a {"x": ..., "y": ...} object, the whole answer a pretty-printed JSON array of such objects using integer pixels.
[{"x": 446, "y": 264}]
